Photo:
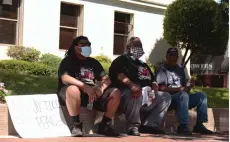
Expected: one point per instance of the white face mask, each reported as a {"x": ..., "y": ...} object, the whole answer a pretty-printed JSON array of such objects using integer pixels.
[{"x": 85, "y": 51}]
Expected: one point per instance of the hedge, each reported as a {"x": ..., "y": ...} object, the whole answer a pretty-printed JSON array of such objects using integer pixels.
[{"x": 27, "y": 68}]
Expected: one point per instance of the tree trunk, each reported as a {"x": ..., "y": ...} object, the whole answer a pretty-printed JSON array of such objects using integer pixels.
[
  {"x": 185, "y": 55},
  {"x": 188, "y": 58}
]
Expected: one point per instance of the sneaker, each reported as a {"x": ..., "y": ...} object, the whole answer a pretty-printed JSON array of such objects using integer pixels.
[
  {"x": 151, "y": 130},
  {"x": 76, "y": 130},
  {"x": 133, "y": 131},
  {"x": 184, "y": 130},
  {"x": 107, "y": 130},
  {"x": 202, "y": 130}
]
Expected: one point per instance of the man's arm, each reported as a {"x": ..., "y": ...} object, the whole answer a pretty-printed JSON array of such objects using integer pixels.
[
  {"x": 105, "y": 82},
  {"x": 125, "y": 80},
  {"x": 172, "y": 90},
  {"x": 67, "y": 79}
]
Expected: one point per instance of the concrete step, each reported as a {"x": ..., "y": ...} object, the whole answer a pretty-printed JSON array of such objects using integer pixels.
[{"x": 218, "y": 120}]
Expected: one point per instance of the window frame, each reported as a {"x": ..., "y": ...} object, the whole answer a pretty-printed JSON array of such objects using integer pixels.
[
  {"x": 19, "y": 24},
  {"x": 79, "y": 28},
  {"x": 130, "y": 30}
]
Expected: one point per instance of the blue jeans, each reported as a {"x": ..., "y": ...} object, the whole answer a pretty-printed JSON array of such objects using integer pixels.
[{"x": 182, "y": 102}]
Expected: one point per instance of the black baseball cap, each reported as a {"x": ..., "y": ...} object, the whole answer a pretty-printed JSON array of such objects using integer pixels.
[{"x": 172, "y": 51}]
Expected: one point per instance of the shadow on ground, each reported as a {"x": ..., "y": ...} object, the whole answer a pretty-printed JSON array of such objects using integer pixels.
[{"x": 173, "y": 136}]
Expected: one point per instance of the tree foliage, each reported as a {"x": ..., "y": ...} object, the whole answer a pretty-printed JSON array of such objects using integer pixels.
[{"x": 196, "y": 25}]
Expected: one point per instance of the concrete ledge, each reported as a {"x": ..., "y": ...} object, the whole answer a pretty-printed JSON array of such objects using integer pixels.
[{"x": 218, "y": 120}]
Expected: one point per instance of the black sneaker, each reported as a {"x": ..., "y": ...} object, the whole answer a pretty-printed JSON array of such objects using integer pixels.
[
  {"x": 202, "y": 130},
  {"x": 151, "y": 130},
  {"x": 133, "y": 131},
  {"x": 76, "y": 130},
  {"x": 107, "y": 130},
  {"x": 184, "y": 130}
]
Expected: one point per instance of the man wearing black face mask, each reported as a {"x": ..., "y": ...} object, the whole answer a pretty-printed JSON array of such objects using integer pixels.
[
  {"x": 78, "y": 74},
  {"x": 132, "y": 77}
]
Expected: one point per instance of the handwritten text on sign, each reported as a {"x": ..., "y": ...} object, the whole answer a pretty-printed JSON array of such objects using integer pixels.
[{"x": 37, "y": 116}]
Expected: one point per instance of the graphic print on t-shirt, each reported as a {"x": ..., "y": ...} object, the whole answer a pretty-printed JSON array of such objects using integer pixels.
[
  {"x": 87, "y": 75},
  {"x": 174, "y": 80},
  {"x": 143, "y": 73}
]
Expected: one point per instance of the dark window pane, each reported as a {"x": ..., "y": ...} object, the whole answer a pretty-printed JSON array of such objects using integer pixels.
[
  {"x": 122, "y": 28},
  {"x": 119, "y": 44},
  {"x": 66, "y": 37},
  {"x": 69, "y": 15},
  {"x": 8, "y": 32},
  {"x": 122, "y": 17},
  {"x": 9, "y": 9}
]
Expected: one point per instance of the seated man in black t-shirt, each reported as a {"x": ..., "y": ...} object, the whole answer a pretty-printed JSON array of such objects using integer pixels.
[
  {"x": 131, "y": 76},
  {"x": 78, "y": 86}
]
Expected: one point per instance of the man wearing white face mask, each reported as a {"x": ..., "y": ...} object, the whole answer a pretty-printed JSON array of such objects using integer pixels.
[
  {"x": 132, "y": 76},
  {"x": 78, "y": 74}
]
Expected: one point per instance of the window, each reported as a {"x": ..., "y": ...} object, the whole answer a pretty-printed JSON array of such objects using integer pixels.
[
  {"x": 70, "y": 24},
  {"x": 123, "y": 29},
  {"x": 9, "y": 15}
]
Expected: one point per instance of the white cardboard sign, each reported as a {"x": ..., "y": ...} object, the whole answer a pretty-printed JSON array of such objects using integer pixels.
[{"x": 37, "y": 116}]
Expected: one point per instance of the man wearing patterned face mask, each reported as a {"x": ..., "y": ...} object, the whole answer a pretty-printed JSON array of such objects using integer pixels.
[
  {"x": 132, "y": 76},
  {"x": 78, "y": 76}
]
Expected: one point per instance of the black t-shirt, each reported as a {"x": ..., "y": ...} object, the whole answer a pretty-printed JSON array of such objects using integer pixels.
[
  {"x": 87, "y": 71},
  {"x": 136, "y": 70}
]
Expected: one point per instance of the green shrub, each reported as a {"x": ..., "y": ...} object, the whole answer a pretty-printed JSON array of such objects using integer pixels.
[
  {"x": 50, "y": 60},
  {"x": 103, "y": 59},
  {"x": 27, "y": 68},
  {"x": 23, "y": 53},
  {"x": 106, "y": 67},
  {"x": 2, "y": 96}
]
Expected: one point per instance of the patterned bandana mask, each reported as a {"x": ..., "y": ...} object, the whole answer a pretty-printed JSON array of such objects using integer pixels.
[{"x": 137, "y": 52}]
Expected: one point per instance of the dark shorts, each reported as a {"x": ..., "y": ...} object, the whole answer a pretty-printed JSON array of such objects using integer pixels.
[{"x": 100, "y": 104}]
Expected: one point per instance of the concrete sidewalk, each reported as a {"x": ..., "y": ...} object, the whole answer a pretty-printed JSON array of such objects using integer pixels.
[{"x": 143, "y": 138}]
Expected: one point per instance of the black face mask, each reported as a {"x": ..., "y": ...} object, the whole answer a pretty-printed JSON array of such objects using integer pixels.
[{"x": 137, "y": 52}]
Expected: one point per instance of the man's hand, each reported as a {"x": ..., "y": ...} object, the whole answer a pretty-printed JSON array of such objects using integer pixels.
[
  {"x": 136, "y": 91},
  {"x": 155, "y": 86},
  {"x": 98, "y": 90},
  {"x": 91, "y": 93},
  {"x": 186, "y": 89}
]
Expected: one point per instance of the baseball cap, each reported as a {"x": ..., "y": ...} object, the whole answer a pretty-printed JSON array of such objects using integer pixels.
[{"x": 172, "y": 51}]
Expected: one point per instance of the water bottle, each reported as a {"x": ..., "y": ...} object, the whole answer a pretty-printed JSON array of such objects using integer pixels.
[
  {"x": 97, "y": 88},
  {"x": 151, "y": 97},
  {"x": 90, "y": 105}
]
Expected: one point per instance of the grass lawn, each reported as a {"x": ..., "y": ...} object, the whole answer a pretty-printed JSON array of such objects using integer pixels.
[
  {"x": 25, "y": 85},
  {"x": 19, "y": 84},
  {"x": 217, "y": 97}
]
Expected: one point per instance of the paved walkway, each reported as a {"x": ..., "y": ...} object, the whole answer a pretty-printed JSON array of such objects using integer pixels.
[{"x": 143, "y": 138}]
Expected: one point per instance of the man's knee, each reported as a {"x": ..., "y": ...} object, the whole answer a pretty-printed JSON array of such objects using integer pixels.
[
  {"x": 115, "y": 94},
  {"x": 167, "y": 97},
  {"x": 202, "y": 96},
  {"x": 184, "y": 96},
  {"x": 73, "y": 91}
]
